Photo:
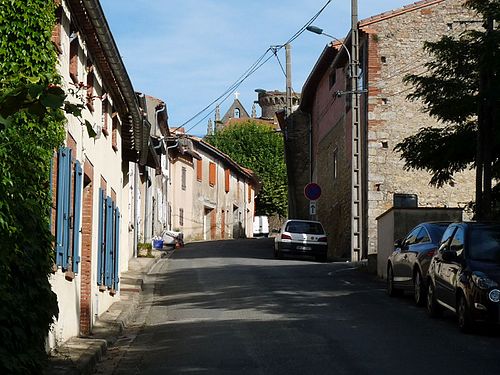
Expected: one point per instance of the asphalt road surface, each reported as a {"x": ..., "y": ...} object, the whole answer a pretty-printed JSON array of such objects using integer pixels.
[{"x": 228, "y": 307}]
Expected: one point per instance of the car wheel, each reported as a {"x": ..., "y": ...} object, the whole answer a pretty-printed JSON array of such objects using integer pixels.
[
  {"x": 465, "y": 323},
  {"x": 392, "y": 291},
  {"x": 418, "y": 289},
  {"x": 433, "y": 307}
]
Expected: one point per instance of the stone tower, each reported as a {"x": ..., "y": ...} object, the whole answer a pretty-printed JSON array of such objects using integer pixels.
[{"x": 274, "y": 101}]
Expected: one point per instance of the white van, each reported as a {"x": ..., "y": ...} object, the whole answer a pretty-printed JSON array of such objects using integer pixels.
[{"x": 260, "y": 226}]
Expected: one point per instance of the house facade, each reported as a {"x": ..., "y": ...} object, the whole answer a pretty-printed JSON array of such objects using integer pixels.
[
  {"x": 93, "y": 190},
  {"x": 213, "y": 197},
  {"x": 320, "y": 147}
]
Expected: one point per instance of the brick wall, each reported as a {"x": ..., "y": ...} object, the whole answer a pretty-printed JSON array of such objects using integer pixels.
[{"x": 86, "y": 257}]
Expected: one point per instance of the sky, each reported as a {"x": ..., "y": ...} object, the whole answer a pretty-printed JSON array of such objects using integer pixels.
[{"x": 189, "y": 53}]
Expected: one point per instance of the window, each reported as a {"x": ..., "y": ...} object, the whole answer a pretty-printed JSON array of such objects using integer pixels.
[
  {"x": 114, "y": 135},
  {"x": 211, "y": 174},
  {"x": 457, "y": 243},
  {"x": 227, "y": 177},
  {"x": 181, "y": 217},
  {"x": 73, "y": 56},
  {"x": 183, "y": 178},
  {"x": 412, "y": 237},
  {"x": 236, "y": 113},
  {"x": 68, "y": 211},
  {"x": 108, "y": 243},
  {"x": 90, "y": 86},
  {"x": 447, "y": 234},
  {"x": 199, "y": 170},
  {"x": 105, "y": 115},
  {"x": 423, "y": 236}
]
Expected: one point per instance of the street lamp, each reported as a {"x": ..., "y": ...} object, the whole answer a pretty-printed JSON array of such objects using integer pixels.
[{"x": 319, "y": 31}]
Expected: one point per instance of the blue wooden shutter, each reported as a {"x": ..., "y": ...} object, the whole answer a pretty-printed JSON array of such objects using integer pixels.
[
  {"x": 63, "y": 206},
  {"x": 109, "y": 242},
  {"x": 77, "y": 211},
  {"x": 116, "y": 278},
  {"x": 101, "y": 237}
]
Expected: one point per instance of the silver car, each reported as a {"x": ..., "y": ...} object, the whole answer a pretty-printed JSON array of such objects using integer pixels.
[{"x": 301, "y": 237}]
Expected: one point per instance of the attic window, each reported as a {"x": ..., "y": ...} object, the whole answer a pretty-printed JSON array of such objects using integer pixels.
[{"x": 236, "y": 113}]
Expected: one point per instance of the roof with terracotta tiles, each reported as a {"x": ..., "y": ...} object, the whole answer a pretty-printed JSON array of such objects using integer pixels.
[{"x": 396, "y": 12}]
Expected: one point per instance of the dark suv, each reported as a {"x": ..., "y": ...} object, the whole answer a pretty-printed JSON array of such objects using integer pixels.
[{"x": 464, "y": 275}]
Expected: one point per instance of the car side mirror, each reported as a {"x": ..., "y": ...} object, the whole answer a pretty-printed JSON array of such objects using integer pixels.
[{"x": 398, "y": 243}]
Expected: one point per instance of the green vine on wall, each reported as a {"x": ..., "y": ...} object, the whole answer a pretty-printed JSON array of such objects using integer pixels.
[{"x": 31, "y": 128}]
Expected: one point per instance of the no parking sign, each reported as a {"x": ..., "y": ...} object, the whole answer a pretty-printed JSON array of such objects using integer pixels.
[{"x": 312, "y": 191}]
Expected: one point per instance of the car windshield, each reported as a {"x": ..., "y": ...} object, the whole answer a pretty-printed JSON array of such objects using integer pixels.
[
  {"x": 485, "y": 244},
  {"x": 304, "y": 227}
]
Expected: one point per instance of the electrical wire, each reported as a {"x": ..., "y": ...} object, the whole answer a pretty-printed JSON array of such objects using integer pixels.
[{"x": 252, "y": 69}]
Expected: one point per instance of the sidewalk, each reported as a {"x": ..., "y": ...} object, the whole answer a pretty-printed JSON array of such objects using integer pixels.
[{"x": 80, "y": 355}]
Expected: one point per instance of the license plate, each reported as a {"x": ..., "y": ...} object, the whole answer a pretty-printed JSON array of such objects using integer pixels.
[{"x": 303, "y": 248}]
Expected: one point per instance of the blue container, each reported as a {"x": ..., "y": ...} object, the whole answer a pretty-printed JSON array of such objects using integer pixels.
[{"x": 158, "y": 244}]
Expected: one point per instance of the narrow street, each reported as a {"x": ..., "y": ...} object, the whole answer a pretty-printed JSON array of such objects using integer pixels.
[{"x": 228, "y": 307}]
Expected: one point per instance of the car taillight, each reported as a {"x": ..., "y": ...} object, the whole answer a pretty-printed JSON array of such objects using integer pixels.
[
  {"x": 431, "y": 253},
  {"x": 322, "y": 239},
  {"x": 286, "y": 237}
]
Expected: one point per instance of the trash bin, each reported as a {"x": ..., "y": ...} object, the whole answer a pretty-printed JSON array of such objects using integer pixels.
[{"x": 158, "y": 244}]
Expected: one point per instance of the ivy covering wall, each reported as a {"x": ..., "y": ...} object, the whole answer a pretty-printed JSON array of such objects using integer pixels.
[{"x": 31, "y": 128}]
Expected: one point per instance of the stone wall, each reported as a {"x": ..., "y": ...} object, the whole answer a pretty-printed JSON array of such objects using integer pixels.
[
  {"x": 333, "y": 169},
  {"x": 395, "y": 49},
  {"x": 298, "y": 163}
]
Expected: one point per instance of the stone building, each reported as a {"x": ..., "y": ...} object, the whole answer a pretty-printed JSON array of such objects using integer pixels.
[
  {"x": 270, "y": 102},
  {"x": 319, "y": 134},
  {"x": 212, "y": 196}
]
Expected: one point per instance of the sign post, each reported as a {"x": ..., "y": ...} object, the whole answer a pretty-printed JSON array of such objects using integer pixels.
[{"x": 312, "y": 191}]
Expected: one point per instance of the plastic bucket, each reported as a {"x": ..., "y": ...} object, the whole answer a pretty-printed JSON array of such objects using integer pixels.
[{"x": 158, "y": 244}]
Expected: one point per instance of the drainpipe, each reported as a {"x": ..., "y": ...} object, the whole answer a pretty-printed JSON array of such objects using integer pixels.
[{"x": 136, "y": 208}]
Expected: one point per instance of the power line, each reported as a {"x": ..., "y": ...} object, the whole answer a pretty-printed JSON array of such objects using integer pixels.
[{"x": 252, "y": 69}]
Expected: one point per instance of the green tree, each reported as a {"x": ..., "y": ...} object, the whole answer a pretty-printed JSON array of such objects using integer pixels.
[
  {"x": 461, "y": 91},
  {"x": 31, "y": 128},
  {"x": 259, "y": 147}
]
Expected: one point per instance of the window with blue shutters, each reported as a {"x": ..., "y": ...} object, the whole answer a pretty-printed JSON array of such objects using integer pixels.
[
  {"x": 68, "y": 212},
  {"x": 109, "y": 244},
  {"x": 101, "y": 240}
]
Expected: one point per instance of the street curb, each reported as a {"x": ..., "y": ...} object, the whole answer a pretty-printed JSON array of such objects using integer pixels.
[{"x": 80, "y": 355}]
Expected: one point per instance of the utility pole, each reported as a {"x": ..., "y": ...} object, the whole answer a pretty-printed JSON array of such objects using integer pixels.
[
  {"x": 356, "y": 157},
  {"x": 486, "y": 122},
  {"x": 288, "y": 50}
]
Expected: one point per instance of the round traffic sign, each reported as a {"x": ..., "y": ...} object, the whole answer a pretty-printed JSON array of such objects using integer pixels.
[{"x": 312, "y": 191}]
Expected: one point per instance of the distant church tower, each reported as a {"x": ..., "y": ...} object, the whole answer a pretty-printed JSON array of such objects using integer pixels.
[
  {"x": 235, "y": 111},
  {"x": 210, "y": 127}
]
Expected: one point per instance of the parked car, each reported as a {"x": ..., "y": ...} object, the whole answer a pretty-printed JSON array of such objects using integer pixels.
[
  {"x": 464, "y": 275},
  {"x": 301, "y": 237},
  {"x": 408, "y": 264}
]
